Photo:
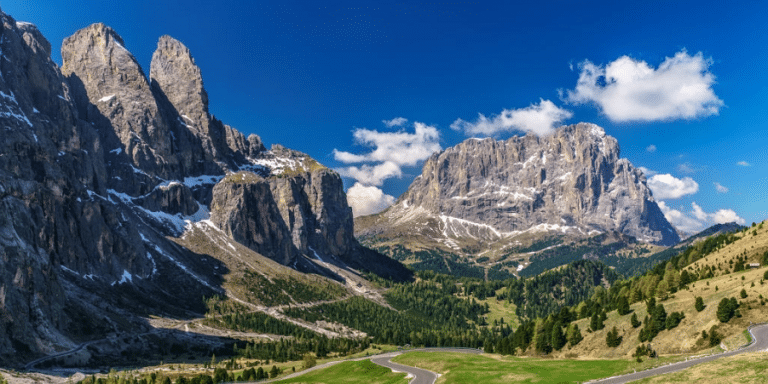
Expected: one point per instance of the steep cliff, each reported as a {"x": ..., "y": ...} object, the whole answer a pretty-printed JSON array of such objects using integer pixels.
[{"x": 103, "y": 170}]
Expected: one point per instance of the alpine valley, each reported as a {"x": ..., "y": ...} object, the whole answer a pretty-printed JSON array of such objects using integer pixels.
[{"x": 144, "y": 241}]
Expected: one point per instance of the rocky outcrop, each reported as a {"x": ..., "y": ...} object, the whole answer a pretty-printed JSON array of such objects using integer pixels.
[
  {"x": 572, "y": 182},
  {"x": 313, "y": 206},
  {"x": 244, "y": 208}
]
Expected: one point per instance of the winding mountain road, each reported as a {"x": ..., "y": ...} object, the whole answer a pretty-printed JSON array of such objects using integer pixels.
[
  {"x": 421, "y": 376},
  {"x": 759, "y": 343}
]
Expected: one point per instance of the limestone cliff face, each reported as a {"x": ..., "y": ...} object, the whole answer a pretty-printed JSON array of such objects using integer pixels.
[
  {"x": 573, "y": 182},
  {"x": 245, "y": 209},
  {"x": 111, "y": 91},
  {"x": 100, "y": 168},
  {"x": 313, "y": 207}
]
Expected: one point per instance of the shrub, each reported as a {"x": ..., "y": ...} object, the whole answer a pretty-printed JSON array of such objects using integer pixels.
[
  {"x": 726, "y": 309},
  {"x": 699, "y": 304},
  {"x": 714, "y": 337},
  {"x": 674, "y": 319}
]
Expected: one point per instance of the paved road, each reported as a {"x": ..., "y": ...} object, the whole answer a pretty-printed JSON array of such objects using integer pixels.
[
  {"x": 420, "y": 376},
  {"x": 759, "y": 343}
]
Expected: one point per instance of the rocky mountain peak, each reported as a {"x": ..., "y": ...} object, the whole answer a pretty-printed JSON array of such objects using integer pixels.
[
  {"x": 180, "y": 79},
  {"x": 113, "y": 94},
  {"x": 486, "y": 194},
  {"x": 103, "y": 173},
  {"x": 34, "y": 38}
]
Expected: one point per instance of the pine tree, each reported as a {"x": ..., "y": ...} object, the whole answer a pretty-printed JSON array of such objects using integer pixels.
[
  {"x": 612, "y": 339},
  {"x": 650, "y": 305},
  {"x": 659, "y": 319},
  {"x": 273, "y": 372},
  {"x": 574, "y": 335},
  {"x": 623, "y": 306},
  {"x": 596, "y": 322},
  {"x": 558, "y": 338},
  {"x": 634, "y": 321}
]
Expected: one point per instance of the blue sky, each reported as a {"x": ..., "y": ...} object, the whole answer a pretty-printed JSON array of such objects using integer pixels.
[{"x": 323, "y": 78}]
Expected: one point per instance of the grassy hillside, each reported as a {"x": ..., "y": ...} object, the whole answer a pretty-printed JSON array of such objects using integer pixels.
[
  {"x": 686, "y": 337},
  {"x": 456, "y": 368},
  {"x": 351, "y": 372},
  {"x": 729, "y": 280},
  {"x": 746, "y": 368}
]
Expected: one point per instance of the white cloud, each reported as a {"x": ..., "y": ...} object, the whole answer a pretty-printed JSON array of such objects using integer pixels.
[
  {"x": 723, "y": 216},
  {"x": 367, "y": 200},
  {"x": 697, "y": 219},
  {"x": 401, "y": 148},
  {"x": 680, "y": 220},
  {"x": 666, "y": 186},
  {"x": 372, "y": 174},
  {"x": 540, "y": 119},
  {"x": 390, "y": 151},
  {"x": 647, "y": 172},
  {"x": 721, "y": 188},
  {"x": 744, "y": 164},
  {"x": 651, "y": 148},
  {"x": 698, "y": 212},
  {"x": 396, "y": 122},
  {"x": 631, "y": 90}
]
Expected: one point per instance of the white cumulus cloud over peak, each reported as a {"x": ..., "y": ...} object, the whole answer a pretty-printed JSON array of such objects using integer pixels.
[
  {"x": 396, "y": 122},
  {"x": 697, "y": 219},
  {"x": 666, "y": 186},
  {"x": 651, "y": 148},
  {"x": 367, "y": 200},
  {"x": 390, "y": 151},
  {"x": 723, "y": 216},
  {"x": 744, "y": 164},
  {"x": 372, "y": 174},
  {"x": 631, "y": 90},
  {"x": 401, "y": 148},
  {"x": 540, "y": 119},
  {"x": 721, "y": 188}
]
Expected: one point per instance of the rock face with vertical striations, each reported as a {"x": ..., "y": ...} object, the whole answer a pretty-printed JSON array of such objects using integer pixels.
[
  {"x": 103, "y": 170},
  {"x": 486, "y": 194}
]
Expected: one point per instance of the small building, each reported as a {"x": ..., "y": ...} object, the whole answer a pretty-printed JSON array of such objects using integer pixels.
[{"x": 753, "y": 265}]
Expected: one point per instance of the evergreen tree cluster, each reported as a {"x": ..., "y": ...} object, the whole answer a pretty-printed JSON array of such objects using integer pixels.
[
  {"x": 727, "y": 309},
  {"x": 612, "y": 338},
  {"x": 295, "y": 349}
]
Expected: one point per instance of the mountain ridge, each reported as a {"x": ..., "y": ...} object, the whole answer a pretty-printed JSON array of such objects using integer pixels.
[
  {"x": 102, "y": 168},
  {"x": 483, "y": 197}
]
